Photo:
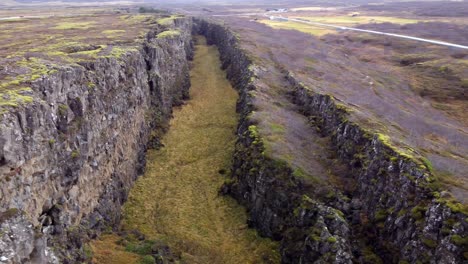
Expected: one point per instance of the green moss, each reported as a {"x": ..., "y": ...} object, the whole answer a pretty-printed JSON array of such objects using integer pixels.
[
  {"x": 118, "y": 52},
  {"x": 454, "y": 205},
  {"x": 444, "y": 69},
  {"x": 330, "y": 194},
  {"x": 92, "y": 52},
  {"x": 253, "y": 131},
  {"x": 148, "y": 259},
  {"x": 168, "y": 34},
  {"x": 63, "y": 109},
  {"x": 381, "y": 215},
  {"x": 113, "y": 32},
  {"x": 330, "y": 216},
  {"x": 299, "y": 173},
  {"x": 51, "y": 142},
  {"x": 445, "y": 231},
  {"x": 459, "y": 241},
  {"x": 429, "y": 242},
  {"x": 140, "y": 247},
  {"x": 306, "y": 199},
  {"x": 167, "y": 20},
  {"x": 369, "y": 256},
  {"x": 428, "y": 164},
  {"x": 73, "y": 25},
  {"x": 315, "y": 238},
  {"x": 15, "y": 98},
  {"x": 75, "y": 154},
  {"x": 450, "y": 222},
  {"x": 331, "y": 239},
  {"x": 402, "y": 212},
  {"x": 88, "y": 251},
  {"x": 418, "y": 212},
  {"x": 385, "y": 139},
  {"x": 91, "y": 86}
]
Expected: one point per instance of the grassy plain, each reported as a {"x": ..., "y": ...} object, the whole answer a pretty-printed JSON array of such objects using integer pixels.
[
  {"x": 31, "y": 48},
  {"x": 310, "y": 29},
  {"x": 348, "y": 20}
]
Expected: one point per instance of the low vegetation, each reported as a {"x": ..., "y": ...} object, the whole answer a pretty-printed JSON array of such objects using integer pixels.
[
  {"x": 33, "y": 48},
  {"x": 310, "y": 29}
]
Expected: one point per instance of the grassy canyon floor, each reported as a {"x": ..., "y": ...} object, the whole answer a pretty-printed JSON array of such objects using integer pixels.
[{"x": 177, "y": 199}]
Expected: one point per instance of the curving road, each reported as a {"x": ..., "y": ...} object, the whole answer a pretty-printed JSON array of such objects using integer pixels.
[{"x": 436, "y": 42}]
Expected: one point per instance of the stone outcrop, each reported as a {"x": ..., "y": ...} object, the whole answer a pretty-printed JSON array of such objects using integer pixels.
[
  {"x": 68, "y": 159},
  {"x": 395, "y": 203},
  {"x": 411, "y": 219}
]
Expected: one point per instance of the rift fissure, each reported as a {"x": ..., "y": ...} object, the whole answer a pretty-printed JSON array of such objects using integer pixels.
[
  {"x": 177, "y": 201},
  {"x": 73, "y": 172}
]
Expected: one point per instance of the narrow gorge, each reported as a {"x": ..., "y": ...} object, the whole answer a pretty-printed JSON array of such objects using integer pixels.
[
  {"x": 177, "y": 199},
  {"x": 159, "y": 156}
]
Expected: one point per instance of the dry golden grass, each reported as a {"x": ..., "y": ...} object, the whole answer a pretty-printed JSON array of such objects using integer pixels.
[
  {"x": 106, "y": 250},
  {"x": 310, "y": 29},
  {"x": 177, "y": 199},
  {"x": 31, "y": 48}
]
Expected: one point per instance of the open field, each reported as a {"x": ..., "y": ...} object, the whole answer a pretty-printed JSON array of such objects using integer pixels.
[
  {"x": 33, "y": 47},
  {"x": 415, "y": 93},
  {"x": 310, "y": 29},
  {"x": 357, "y": 20}
]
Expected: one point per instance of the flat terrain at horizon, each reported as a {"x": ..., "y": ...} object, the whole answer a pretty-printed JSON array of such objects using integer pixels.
[{"x": 38, "y": 43}]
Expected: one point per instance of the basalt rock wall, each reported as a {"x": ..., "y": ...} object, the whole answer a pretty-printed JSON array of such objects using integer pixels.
[
  {"x": 68, "y": 159},
  {"x": 395, "y": 198},
  {"x": 395, "y": 204}
]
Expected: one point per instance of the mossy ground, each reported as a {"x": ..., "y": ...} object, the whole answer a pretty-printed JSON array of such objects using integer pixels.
[
  {"x": 31, "y": 48},
  {"x": 177, "y": 199}
]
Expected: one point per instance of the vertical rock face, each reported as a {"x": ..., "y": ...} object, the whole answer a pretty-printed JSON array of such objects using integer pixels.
[
  {"x": 68, "y": 159},
  {"x": 395, "y": 202},
  {"x": 278, "y": 207},
  {"x": 413, "y": 220}
]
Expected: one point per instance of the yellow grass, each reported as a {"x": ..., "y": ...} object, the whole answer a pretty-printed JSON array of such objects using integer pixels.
[
  {"x": 177, "y": 199},
  {"x": 74, "y": 25},
  {"x": 106, "y": 250},
  {"x": 310, "y": 29}
]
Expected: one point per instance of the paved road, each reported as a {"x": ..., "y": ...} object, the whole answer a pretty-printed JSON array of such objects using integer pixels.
[{"x": 442, "y": 43}]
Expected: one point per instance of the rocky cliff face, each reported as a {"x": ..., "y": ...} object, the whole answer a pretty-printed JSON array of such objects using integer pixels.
[
  {"x": 394, "y": 204},
  {"x": 68, "y": 159},
  {"x": 410, "y": 219}
]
